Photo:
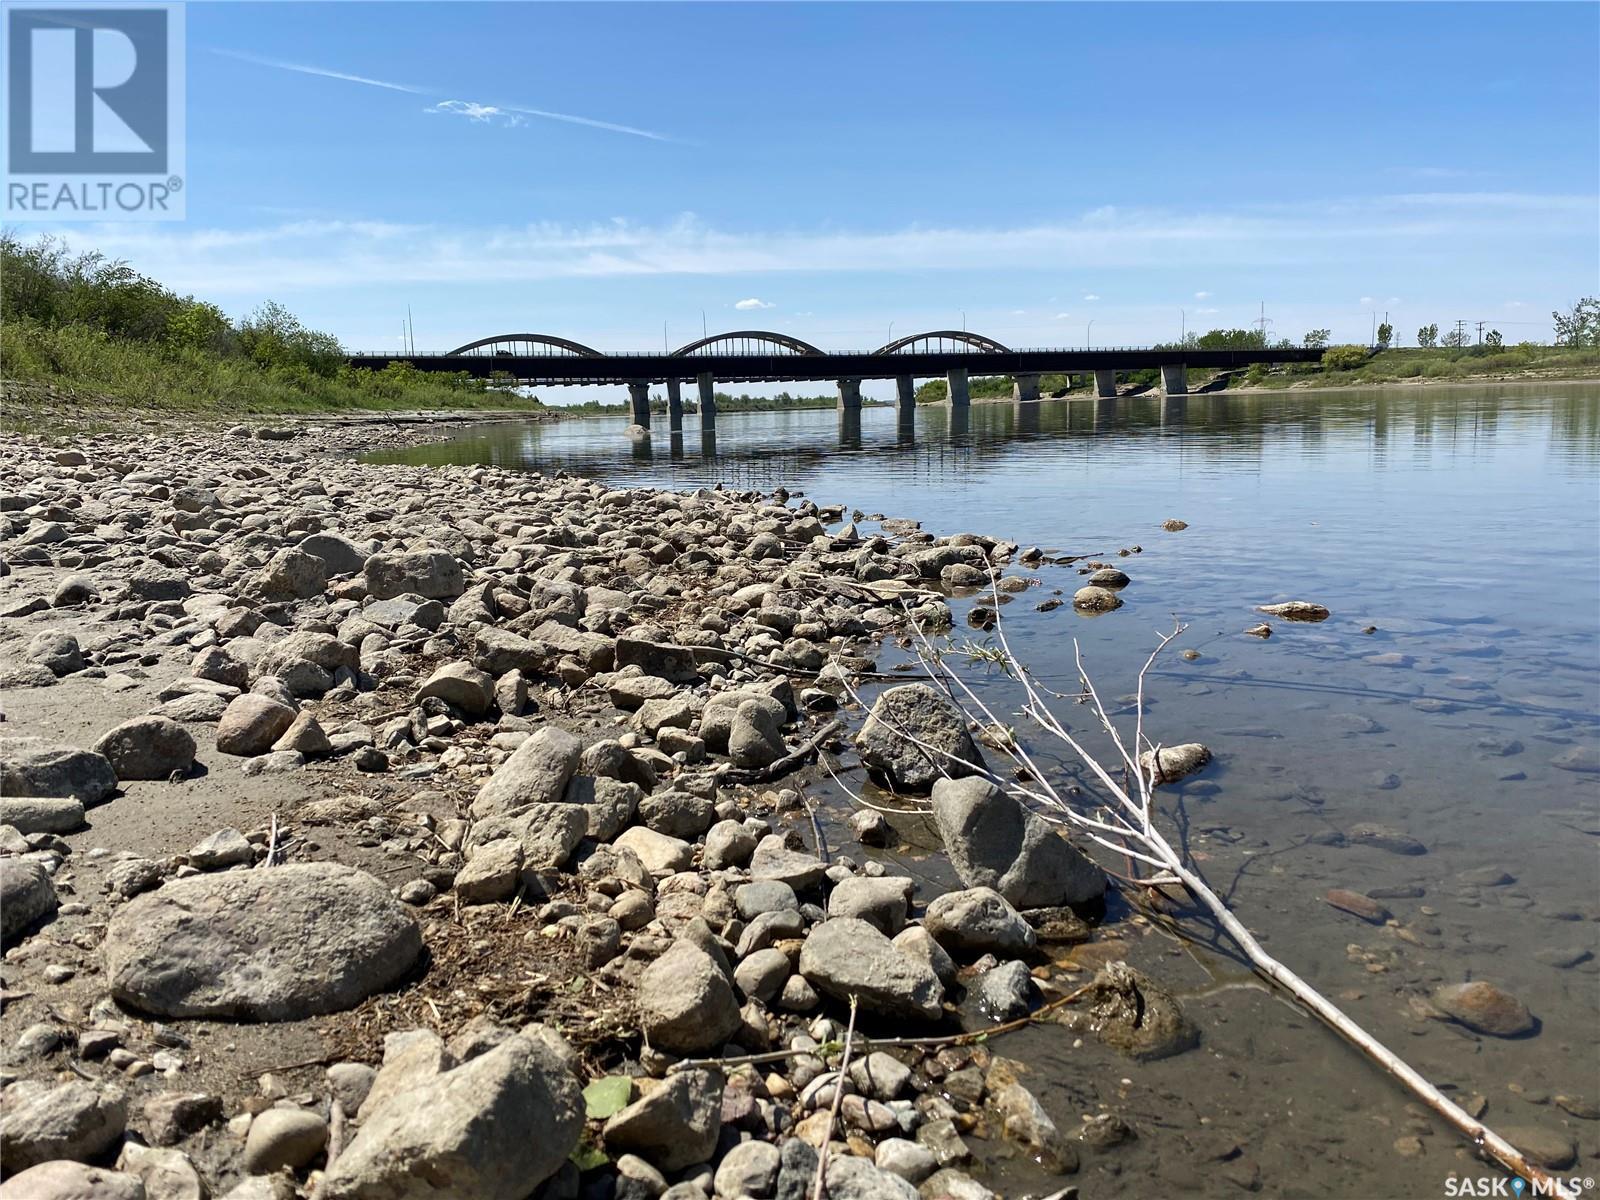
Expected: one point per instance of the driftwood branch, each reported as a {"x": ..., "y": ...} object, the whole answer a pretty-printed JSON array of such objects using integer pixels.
[
  {"x": 1128, "y": 815},
  {"x": 838, "y": 1099},
  {"x": 791, "y": 760}
]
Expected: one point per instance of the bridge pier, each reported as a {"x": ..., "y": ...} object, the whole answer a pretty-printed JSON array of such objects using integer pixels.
[
  {"x": 708, "y": 401},
  {"x": 960, "y": 395},
  {"x": 850, "y": 395},
  {"x": 674, "y": 406},
  {"x": 905, "y": 394},
  {"x": 1024, "y": 387},
  {"x": 639, "y": 399},
  {"x": 1105, "y": 385},
  {"x": 1175, "y": 380}
]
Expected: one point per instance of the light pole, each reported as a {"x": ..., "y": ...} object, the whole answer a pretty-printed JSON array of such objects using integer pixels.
[
  {"x": 891, "y": 331},
  {"x": 963, "y": 320},
  {"x": 1088, "y": 329},
  {"x": 1183, "y": 326}
]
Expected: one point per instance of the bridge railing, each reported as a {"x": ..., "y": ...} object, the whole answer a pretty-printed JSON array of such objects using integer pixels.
[{"x": 873, "y": 353}]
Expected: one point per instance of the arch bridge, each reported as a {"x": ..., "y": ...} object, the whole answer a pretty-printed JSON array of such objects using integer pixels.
[{"x": 765, "y": 356}]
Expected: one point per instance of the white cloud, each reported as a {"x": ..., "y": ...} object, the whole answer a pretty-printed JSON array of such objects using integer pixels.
[
  {"x": 1392, "y": 300},
  {"x": 747, "y": 305},
  {"x": 1516, "y": 304},
  {"x": 483, "y": 113},
  {"x": 1019, "y": 312},
  {"x": 1091, "y": 296},
  {"x": 1202, "y": 295},
  {"x": 1062, "y": 316},
  {"x": 511, "y": 113},
  {"x": 1206, "y": 312},
  {"x": 298, "y": 255}
]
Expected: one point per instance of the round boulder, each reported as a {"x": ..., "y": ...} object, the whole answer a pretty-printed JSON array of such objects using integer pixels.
[
  {"x": 268, "y": 945},
  {"x": 147, "y": 748}
]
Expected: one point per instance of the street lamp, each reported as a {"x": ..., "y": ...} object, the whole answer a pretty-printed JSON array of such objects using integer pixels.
[
  {"x": 1183, "y": 326},
  {"x": 1088, "y": 329},
  {"x": 963, "y": 320}
]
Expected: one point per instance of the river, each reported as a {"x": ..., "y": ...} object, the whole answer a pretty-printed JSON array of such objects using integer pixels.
[{"x": 1454, "y": 532}]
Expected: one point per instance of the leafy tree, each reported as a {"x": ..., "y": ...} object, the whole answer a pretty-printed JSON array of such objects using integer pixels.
[
  {"x": 1428, "y": 337},
  {"x": 1580, "y": 325},
  {"x": 197, "y": 325},
  {"x": 1454, "y": 340},
  {"x": 1493, "y": 338},
  {"x": 1385, "y": 335},
  {"x": 1316, "y": 339}
]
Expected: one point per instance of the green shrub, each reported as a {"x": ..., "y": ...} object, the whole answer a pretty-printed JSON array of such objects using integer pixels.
[{"x": 1344, "y": 358}]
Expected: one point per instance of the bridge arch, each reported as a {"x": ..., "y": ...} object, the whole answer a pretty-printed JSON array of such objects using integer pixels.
[
  {"x": 525, "y": 343},
  {"x": 937, "y": 340},
  {"x": 743, "y": 338}
]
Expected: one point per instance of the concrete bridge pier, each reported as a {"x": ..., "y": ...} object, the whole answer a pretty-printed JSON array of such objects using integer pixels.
[
  {"x": 708, "y": 401},
  {"x": 674, "y": 406},
  {"x": 1024, "y": 387},
  {"x": 850, "y": 395},
  {"x": 905, "y": 394},
  {"x": 1105, "y": 385},
  {"x": 960, "y": 394},
  {"x": 639, "y": 398},
  {"x": 1175, "y": 380}
]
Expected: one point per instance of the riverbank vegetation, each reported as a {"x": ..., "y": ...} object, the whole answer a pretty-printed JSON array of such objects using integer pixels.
[
  {"x": 1577, "y": 356},
  {"x": 84, "y": 330}
]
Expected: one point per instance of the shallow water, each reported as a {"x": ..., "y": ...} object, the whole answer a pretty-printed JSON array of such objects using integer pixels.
[{"x": 1464, "y": 525}]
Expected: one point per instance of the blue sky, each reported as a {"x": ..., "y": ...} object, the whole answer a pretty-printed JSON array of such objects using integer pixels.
[{"x": 841, "y": 167}]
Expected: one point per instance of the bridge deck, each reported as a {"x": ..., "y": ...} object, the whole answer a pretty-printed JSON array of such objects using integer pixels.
[{"x": 559, "y": 369}]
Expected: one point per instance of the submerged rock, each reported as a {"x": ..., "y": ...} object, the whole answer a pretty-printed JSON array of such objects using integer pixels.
[
  {"x": 1131, "y": 1013},
  {"x": 1295, "y": 610},
  {"x": 1485, "y": 1008}
]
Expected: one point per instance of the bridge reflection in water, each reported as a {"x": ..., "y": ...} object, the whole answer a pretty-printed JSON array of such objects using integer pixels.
[{"x": 1048, "y": 418}]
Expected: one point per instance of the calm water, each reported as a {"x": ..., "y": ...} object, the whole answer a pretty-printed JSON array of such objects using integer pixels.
[{"x": 1464, "y": 524}]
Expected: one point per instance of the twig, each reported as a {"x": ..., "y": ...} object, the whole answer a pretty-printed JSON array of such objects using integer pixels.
[
  {"x": 272, "y": 842},
  {"x": 921, "y": 1043},
  {"x": 838, "y": 1099},
  {"x": 788, "y": 762},
  {"x": 336, "y": 1132}
]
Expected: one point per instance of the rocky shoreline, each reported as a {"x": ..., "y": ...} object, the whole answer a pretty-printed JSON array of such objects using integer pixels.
[{"x": 377, "y": 831}]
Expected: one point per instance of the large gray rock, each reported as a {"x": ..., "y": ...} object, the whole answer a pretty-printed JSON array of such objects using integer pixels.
[
  {"x": 74, "y": 1120},
  {"x": 547, "y": 833},
  {"x": 978, "y": 921},
  {"x": 851, "y": 1178},
  {"x": 26, "y": 896},
  {"x": 340, "y": 556},
  {"x": 269, "y": 945},
  {"x": 251, "y": 724},
  {"x": 536, "y": 773},
  {"x": 41, "y": 814},
  {"x": 686, "y": 1001},
  {"x": 994, "y": 841},
  {"x": 147, "y": 748},
  {"x": 498, "y": 651},
  {"x": 431, "y": 573},
  {"x": 461, "y": 685},
  {"x": 290, "y": 574},
  {"x": 493, "y": 1128},
  {"x": 846, "y": 956},
  {"x": 882, "y": 902},
  {"x": 754, "y": 739},
  {"x": 56, "y": 650},
  {"x": 908, "y": 715},
  {"x": 30, "y": 766},
  {"x": 63, "y": 1179},
  {"x": 675, "y": 1126}
]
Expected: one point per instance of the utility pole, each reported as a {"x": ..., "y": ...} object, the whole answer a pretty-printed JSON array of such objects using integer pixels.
[
  {"x": 1461, "y": 333},
  {"x": 1481, "y": 324},
  {"x": 1262, "y": 322}
]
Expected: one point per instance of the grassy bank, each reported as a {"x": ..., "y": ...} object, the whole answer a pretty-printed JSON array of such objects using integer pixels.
[{"x": 81, "y": 331}]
